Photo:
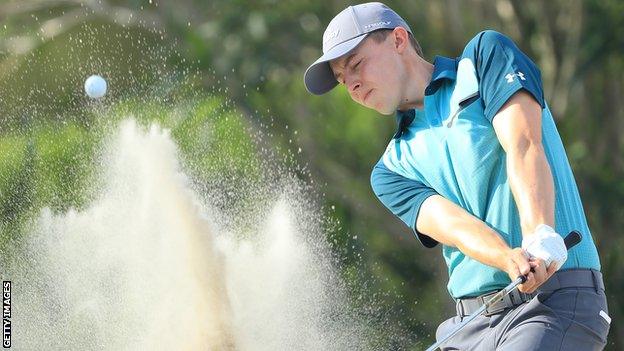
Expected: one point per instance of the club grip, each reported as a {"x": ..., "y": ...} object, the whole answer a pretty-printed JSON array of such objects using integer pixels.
[{"x": 573, "y": 238}]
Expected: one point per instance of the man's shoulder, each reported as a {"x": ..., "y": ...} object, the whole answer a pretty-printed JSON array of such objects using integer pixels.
[
  {"x": 483, "y": 41},
  {"x": 379, "y": 169}
]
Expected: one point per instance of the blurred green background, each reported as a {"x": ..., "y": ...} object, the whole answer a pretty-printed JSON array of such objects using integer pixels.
[{"x": 237, "y": 66}]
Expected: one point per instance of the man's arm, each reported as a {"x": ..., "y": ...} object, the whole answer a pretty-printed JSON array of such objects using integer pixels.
[
  {"x": 518, "y": 126},
  {"x": 451, "y": 225}
]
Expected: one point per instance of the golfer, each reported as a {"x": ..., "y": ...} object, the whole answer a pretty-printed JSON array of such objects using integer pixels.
[{"x": 477, "y": 165}]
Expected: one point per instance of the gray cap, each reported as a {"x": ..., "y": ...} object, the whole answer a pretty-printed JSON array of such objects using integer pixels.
[{"x": 343, "y": 34}]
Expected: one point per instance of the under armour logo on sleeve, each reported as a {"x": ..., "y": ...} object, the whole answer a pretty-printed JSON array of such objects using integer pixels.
[{"x": 510, "y": 76}]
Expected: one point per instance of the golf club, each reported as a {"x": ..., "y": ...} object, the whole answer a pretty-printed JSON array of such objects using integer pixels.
[{"x": 573, "y": 238}]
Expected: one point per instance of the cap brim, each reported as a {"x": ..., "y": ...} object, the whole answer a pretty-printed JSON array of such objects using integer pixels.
[{"x": 319, "y": 77}]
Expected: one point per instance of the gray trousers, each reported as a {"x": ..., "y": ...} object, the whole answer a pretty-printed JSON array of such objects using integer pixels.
[{"x": 557, "y": 318}]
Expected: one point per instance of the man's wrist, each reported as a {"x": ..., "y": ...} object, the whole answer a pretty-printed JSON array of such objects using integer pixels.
[
  {"x": 506, "y": 258},
  {"x": 540, "y": 231},
  {"x": 546, "y": 244}
]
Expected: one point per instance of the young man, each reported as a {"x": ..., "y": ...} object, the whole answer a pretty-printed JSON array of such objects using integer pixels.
[{"x": 477, "y": 165}]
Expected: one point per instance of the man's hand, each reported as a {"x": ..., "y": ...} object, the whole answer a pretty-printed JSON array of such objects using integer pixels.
[
  {"x": 546, "y": 244},
  {"x": 451, "y": 225},
  {"x": 534, "y": 269}
]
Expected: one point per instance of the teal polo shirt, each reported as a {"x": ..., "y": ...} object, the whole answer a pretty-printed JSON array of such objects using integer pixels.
[{"x": 450, "y": 148}]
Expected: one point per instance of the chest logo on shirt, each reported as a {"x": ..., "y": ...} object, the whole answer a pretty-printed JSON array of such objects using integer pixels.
[{"x": 510, "y": 76}]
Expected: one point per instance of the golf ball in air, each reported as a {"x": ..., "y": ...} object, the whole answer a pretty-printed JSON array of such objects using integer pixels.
[{"x": 95, "y": 86}]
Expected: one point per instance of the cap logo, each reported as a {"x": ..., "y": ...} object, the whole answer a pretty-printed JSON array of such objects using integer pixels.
[
  {"x": 376, "y": 24},
  {"x": 331, "y": 35}
]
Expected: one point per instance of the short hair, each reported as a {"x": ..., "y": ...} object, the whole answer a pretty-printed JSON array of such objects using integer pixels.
[{"x": 381, "y": 34}]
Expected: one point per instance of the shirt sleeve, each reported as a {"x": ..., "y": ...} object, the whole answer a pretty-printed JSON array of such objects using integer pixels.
[
  {"x": 402, "y": 196},
  {"x": 502, "y": 70}
]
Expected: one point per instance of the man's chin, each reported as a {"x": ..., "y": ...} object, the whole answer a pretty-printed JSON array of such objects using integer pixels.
[{"x": 386, "y": 110}]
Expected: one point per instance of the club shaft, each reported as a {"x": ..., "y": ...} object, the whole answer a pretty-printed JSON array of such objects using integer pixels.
[
  {"x": 477, "y": 313},
  {"x": 573, "y": 238}
]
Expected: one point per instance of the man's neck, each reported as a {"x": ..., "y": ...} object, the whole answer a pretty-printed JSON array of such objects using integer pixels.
[{"x": 418, "y": 77}]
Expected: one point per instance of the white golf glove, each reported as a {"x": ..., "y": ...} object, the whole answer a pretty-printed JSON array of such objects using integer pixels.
[{"x": 546, "y": 244}]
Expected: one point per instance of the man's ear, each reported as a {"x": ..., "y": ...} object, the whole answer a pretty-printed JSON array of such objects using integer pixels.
[{"x": 401, "y": 39}]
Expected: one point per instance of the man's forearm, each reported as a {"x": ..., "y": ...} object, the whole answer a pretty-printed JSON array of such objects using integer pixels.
[
  {"x": 518, "y": 126},
  {"x": 451, "y": 225},
  {"x": 482, "y": 243},
  {"x": 532, "y": 185}
]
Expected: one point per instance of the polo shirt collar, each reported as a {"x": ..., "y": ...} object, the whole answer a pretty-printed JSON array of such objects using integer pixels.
[
  {"x": 443, "y": 68},
  {"x": 404, "y": 119}
]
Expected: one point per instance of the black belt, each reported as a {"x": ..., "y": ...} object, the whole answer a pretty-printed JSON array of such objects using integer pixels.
[{"x": 572, "y": 278}]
